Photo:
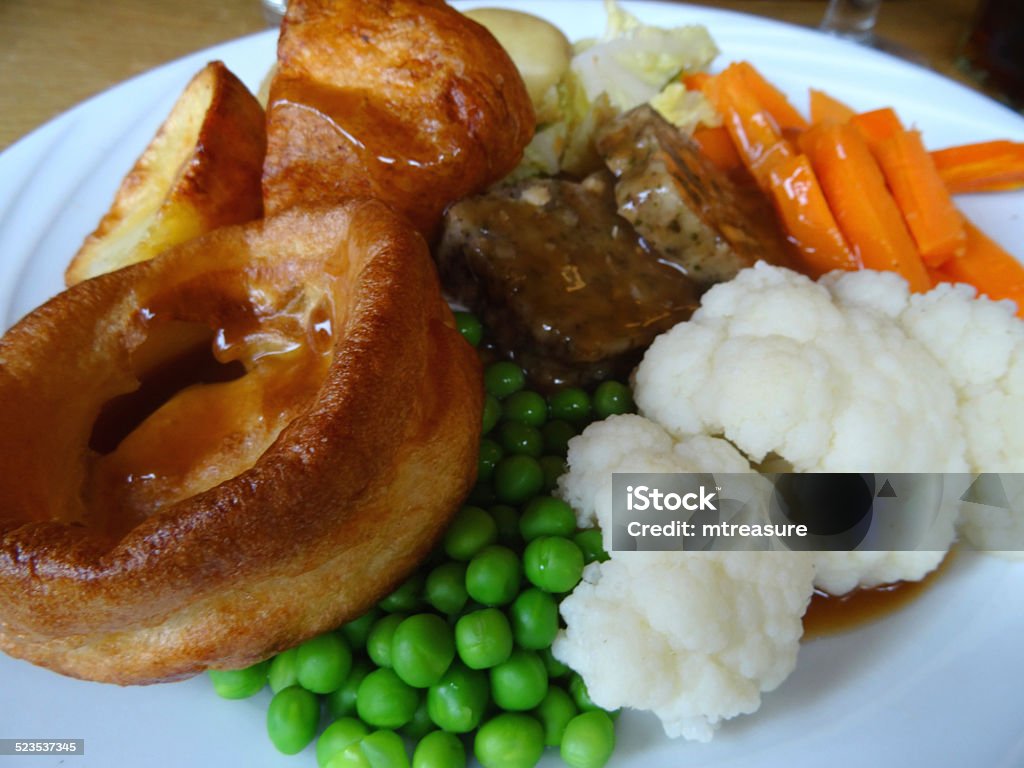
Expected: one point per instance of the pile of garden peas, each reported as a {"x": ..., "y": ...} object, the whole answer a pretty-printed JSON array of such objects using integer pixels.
[{"x": 458, "y": 658}]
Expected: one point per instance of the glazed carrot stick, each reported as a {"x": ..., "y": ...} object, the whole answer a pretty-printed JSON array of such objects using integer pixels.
[
  {"x": 990, "y": 166},
  {"x": 754, "y": 132},
  {"x": 877, "y": 125},
  {"x": 856, "y": 192},
  {"x": 717, "y": 145},
  {"x": 989, "y": 268},
  {"x": 826, "y": 109},
  {"x": 807, "y": 219},
  {"x": 928, "y": 210},
  {"x": 772, "y": 99}
]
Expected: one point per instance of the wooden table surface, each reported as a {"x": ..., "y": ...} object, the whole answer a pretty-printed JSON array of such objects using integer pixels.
[{"x": 55, "y": 53}]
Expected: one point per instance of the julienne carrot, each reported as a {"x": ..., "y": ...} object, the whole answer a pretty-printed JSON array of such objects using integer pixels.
[
  {"x": 927, "y": 207},
  {"x": 771, "y": 98},
  {"x": 717, "y": 146},
  {"x": 826, "y": 109},
  {"x": 754, "y": 131},
  {"x": 990, "y": 166},
  {"x": 989, "y": 268},
  {"x": 807, "y": 218},
  {"x": 865, "y": 210},
  {"x": 877, "y": 125}
]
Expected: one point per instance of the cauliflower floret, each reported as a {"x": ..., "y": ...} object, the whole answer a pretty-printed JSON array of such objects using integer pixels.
[
  {"x": 852, "y": 373},
  {"x": 695, "y": 639}
]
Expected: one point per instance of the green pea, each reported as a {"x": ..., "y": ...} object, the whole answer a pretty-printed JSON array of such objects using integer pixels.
[
  {"x": 439, "y": 750},
  {"x": 527, "y": 407},
  {"x": 337, "y": 736},
  {"x": 612, "y": 398},
  {"x": 421, "y": 649},
  {"x": 239, "y": 683},
  {"x": 490, "y": 454},
  {"x": 483, "y": 638},
  {"x": 350, "y": 757},
  {"x": 445, "y": 589},
  {"x": 520, "y": 682},
  {"x": 323, "y": 662},
  {"x": 554, "y": 667},
  {"x": 458, "y": 701},
  {"x": 589, "y": 740},
  {"x": 385, "y": 749},
  {"x": 357, "y": 630},
  {"x": 408, "y": 596},
  {"x": 292, "y": 718},
  {"x": 557, "y": 435},
  {"x": 378, "y": 642},
  {"x": 283, "y": 671},
  {"x": 470, "y": 327},
  {"x": 385, "y": 701},
  {"x": 553, "y": 468},
  {"x": 570, "y": 404},
  {"x": 510, "y": 740},
  {"x": 471, "y": 530},
  {"x": 503, "y": 378},
  {"x": 420, "y": 724},
  {"x": 554, "y": 714},
  {"x": 591, "y": 545},
  {"x": 507, "y": 520},
  {"x": 534, "y": 619},
  {"x": 493, "y": 576},
  {"x": 492, "y": 413},
  {"x": 547, "y": 516},
  {"x": 553, "y": 563},
  {"x": 342, "y": 702},
  {"x": 517, "y": 478},
  {"x": 519, "y": 438}
]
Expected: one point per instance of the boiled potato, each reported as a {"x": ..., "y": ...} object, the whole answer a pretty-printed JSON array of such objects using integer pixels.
[
  {"x": 200, "y": 172},
  {"x": 538, "y": 48}
]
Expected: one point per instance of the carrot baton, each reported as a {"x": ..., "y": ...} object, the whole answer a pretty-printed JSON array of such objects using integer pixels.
[
  {"x": 877, "y": 125},
  {"x": 988, "y": 267},
  {"x": 717, "y": 145},
  {"x": 826, "y": 109},
  {"x": 807, "y": 219},
  {"x": 990, "y": 166},
  {"x": 865, "y": 210},
  {"x": 771, "y": 98}
]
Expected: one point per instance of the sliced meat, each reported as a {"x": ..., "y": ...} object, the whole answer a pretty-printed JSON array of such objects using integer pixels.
[
  {"x": 682, "y": 205},
  {"x": 564, "y": 283}
]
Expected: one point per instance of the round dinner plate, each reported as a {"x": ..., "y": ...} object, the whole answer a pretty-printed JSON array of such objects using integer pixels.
[{"x": 941, "y": 683}]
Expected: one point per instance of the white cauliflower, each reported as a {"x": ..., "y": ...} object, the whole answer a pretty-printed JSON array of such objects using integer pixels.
[
  {"x": 849, "y": 374},
  {"x": 695, "y": 639}
]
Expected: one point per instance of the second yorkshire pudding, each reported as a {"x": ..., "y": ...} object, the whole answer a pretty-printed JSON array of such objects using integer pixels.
[{"x": 209, "y": 457}]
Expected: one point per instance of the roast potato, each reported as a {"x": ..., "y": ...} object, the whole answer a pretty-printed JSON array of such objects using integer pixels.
[
  {"x": 407, "y": 101},
  {"x": 201, "y": 171}
]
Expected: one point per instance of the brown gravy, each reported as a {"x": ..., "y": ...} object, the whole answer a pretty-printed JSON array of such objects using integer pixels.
[{"x": 829, "y": 615}]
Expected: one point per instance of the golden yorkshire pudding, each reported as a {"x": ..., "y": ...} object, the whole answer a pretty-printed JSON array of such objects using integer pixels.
[
  {"x": 210, "y": 456},
  {"x": 201, "y": 171},
  {"x": 407, "y": 101}
]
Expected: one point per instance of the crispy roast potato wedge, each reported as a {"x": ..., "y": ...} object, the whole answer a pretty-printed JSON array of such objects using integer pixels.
[
  {"x": 407, "y": 101},
  {"x": 201, "y": 171}
]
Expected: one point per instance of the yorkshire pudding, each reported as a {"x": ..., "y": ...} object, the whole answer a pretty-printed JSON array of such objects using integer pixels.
[
  {"x": 295, "y": 476},
  {"x": 407, "y": 101}
]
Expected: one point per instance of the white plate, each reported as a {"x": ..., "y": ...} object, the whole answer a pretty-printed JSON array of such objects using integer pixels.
[{"x": 939, "y": 684}]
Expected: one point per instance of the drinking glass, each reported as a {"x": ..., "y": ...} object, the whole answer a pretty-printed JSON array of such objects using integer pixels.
[
  {"x": 852, "y": 19},
  {"x": 855, "y": 20},
  {"x": 273, "y": 11}
]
